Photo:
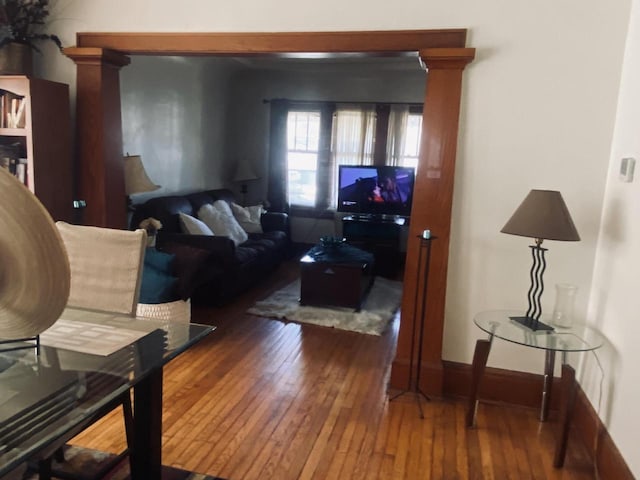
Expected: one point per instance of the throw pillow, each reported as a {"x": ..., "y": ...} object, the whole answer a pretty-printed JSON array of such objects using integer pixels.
[
  {"x": 157, "y": 286},
  {"x": 193, "y": 226},
  {"x": 221, "y": 221},
  {"x": 159, "y": 260},
  {"x": 248, "y": 217}
]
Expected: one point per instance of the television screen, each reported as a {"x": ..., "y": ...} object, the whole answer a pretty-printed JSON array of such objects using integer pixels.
[{"x": 374, "y": 190}]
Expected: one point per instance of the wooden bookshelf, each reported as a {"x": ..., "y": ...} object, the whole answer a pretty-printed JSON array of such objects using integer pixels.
[{"x": 35, "y": 139}]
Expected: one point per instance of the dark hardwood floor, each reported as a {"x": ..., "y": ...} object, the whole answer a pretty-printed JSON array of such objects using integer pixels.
[{"x": 263, "y": 399}]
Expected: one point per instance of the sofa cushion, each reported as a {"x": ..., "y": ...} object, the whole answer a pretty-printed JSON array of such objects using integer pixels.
[
  {"x": 246, "y": 255},
  {"x": 165, "y": 209},
  {"x": 193, "y": 226},
  {"x": 221, "y": 221},
  {"x": 262, "y": 245},
  {"x": 199, "y": 199},
  {"x": 248, "y": 217}
]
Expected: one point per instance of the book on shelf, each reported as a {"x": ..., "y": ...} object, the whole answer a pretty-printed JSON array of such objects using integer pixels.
[
  {"x": 12, "y": 107},
  {"x": 16, "y": 166}
]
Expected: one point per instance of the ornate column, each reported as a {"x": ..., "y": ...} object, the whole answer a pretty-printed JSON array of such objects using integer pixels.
[
  {"x": 99, "y": 135},
  {"x": 431, "y": 210}
]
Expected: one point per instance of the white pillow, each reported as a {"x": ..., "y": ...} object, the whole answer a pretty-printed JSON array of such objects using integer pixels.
[
  {"x": 221, "y": 221},
  {"x": 248, "y": 217},
  {"x": 193, "y": 226}
]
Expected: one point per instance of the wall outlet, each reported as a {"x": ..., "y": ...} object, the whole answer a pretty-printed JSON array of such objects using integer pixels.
[{"x": 627, "y": 166}]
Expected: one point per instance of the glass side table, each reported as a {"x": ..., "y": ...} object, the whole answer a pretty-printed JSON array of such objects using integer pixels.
[{"x": 579, "y": 338}]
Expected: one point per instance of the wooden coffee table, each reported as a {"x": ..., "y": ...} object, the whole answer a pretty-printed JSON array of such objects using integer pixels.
[{"x": 339, "y": 276}]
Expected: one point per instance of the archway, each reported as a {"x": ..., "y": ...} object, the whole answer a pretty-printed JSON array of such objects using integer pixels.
[{"x": 99, "y": 56}]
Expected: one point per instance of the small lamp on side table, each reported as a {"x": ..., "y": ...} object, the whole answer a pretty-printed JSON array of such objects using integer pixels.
[
  {"x": 541, "y": 215},
  {"x": 244, "y": 174}
]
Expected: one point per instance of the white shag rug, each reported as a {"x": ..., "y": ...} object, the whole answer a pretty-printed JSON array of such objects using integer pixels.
[{"x": 379, "y": 307}]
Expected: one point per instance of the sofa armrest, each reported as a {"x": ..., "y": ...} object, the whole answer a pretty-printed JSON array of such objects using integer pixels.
[
  {"x": 272, "y": 221},
  {"x": 222, "y": 248}
]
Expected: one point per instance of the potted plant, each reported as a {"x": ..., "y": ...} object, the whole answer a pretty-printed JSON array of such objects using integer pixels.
[{"x": 20, "y": 23}]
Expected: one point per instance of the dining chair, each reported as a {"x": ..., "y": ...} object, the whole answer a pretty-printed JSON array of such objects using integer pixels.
[
  {"x": 106, "y": 271},
  {"x": 106, "y": 267}
]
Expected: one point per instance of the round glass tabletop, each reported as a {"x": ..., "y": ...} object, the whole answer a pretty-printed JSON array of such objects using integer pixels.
[{"x": 578, "y": 338}]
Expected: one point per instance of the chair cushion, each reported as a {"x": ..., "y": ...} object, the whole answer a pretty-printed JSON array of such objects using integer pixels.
[{"x": 221, "y": 221}]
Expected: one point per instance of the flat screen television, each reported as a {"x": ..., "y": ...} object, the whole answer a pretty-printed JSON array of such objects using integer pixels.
[{"x": 375, "y": 191}]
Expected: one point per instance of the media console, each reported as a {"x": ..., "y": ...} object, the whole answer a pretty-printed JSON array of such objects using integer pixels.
[{"x": 383, "y": 235}]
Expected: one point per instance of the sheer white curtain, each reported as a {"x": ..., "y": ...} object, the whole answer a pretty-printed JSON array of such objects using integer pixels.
[
  {"x": 352, "y": 135},
  {"x": 396, "y": 135}
]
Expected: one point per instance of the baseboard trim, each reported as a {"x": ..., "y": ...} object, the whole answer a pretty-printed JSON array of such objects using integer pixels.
[
  {"x": 594, "y": 434},
  {"x": 520, "y": 388},
  {"x": 498, "y": 385}
]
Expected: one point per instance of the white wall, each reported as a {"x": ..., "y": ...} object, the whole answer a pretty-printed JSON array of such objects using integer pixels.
[
  {"x": 174, "y": 115},
  {"x": 538, "y": 111},
  {"x": 614, "y": 304}
]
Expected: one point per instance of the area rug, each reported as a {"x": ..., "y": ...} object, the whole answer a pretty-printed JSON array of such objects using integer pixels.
[
  {"x": 86, "y": 464},
  {"x": 378, "y": 309}
]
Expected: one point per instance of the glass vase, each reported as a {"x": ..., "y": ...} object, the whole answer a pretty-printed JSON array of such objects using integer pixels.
[{"x": 565, "y": 305}]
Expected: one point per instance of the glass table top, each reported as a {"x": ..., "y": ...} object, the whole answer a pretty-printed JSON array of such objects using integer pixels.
[
  {"x": 45, "y": 396},
  {"x": 578, "y": 338}
]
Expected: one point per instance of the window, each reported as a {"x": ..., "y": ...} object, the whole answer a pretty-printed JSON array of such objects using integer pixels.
[
  {"x": 321, "y": 136},
  {"x": 411, "y": 142},
  {"x": 352, "y": 136},
  {"x": 303, "y": 141}
]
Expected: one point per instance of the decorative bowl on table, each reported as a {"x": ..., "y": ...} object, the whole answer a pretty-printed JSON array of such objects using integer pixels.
[{"x": 331, "y": 243}]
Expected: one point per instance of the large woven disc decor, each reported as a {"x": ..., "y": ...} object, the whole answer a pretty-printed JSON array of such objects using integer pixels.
[{"x": 34, "y": 268}]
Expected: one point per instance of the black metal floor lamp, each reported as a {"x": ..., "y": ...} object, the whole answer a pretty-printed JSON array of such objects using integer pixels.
[{"x": 422, "y": 277}]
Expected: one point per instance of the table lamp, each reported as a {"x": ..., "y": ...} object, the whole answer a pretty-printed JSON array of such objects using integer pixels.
[
  {"x": 136, "y": 179},
  {"x": 541, "y": 215},
  {"x": 244, "y": 173}
]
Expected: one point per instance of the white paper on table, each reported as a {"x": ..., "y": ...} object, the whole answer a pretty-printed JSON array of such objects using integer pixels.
[{"x": 90, "y": 338}]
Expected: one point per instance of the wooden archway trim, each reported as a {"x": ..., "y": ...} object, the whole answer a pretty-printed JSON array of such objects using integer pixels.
[
  {"x": 442, "y": 51},
  {"x": 432, "y": 202},
  {"x": 382, "y": 42}
]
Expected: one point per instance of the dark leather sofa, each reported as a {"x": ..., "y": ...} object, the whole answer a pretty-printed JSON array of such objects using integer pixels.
[{"x": 213, "y": 268}]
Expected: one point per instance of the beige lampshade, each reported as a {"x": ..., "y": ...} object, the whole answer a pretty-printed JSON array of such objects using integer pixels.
[
  {"x": 544, "y": 215},
  {"x": 136, "y": 179},
  {"x": 244, "y": 172}
]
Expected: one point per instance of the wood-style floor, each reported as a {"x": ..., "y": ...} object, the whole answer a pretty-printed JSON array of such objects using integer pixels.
[{"x": 263, "y": 399}]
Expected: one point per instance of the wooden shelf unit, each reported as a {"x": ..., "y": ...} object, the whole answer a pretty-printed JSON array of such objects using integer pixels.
[{"x": 44, "y": 142}]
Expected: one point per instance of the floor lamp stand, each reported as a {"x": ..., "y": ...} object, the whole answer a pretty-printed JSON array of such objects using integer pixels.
[{"x": 422, "y": 277}]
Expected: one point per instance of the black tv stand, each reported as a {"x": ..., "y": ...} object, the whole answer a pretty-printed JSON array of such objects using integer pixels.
[
  {"x": 381, "y": 235},
  {"x": 377, "y": 218}
]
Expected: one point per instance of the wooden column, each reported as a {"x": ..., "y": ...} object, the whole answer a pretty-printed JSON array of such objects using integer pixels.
[
  {"x": 432, "y": 210},
  {"x": 99, "y": 135}
]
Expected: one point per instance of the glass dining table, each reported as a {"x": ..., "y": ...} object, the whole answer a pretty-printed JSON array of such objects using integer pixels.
[{"x": 47, "y": 393}]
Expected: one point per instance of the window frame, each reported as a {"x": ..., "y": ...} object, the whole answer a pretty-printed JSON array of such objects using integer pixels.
[{"x": 322, "y": 208}]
